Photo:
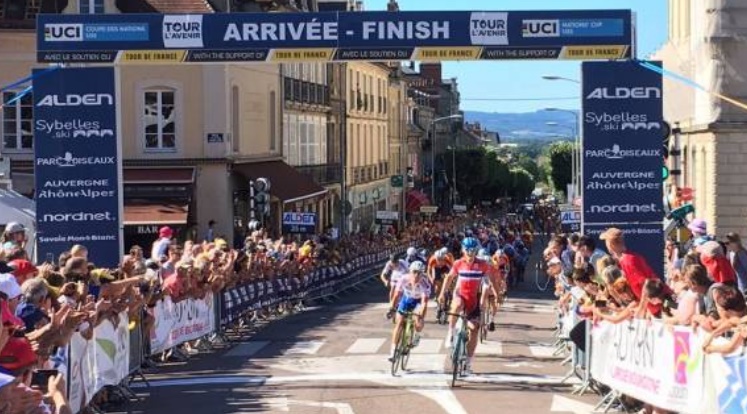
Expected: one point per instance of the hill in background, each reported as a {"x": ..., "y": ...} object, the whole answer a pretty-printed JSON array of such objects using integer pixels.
[{"x": 528, "y": 126}]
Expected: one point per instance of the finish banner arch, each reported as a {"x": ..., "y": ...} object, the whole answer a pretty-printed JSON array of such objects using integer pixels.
[{"x": 335, "y": 36}]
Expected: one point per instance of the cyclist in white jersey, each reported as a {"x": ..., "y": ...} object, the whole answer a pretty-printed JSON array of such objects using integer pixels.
[
  {"x": 393, "y": 270},
  {"x": 412, "y": 291}
]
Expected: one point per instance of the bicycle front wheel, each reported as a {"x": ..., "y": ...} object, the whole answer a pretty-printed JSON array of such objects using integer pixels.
[
  {"x": 457, "y": 355},
  {"x": 406, "y": 342}
]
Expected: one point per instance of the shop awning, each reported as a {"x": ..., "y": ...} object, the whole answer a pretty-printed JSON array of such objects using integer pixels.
[
  {"x": 415, "y": 199},
  {"x": 158, "y": 175},
  {"x": 286, "y": 183},
  {"x": 151, "y": 212}
]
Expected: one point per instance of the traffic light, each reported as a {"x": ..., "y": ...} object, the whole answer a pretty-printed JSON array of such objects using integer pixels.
[{"x": 261, "y": 188}]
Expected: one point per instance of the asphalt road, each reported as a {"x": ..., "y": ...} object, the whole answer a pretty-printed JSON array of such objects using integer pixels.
[{"x": 333, "y": 359}]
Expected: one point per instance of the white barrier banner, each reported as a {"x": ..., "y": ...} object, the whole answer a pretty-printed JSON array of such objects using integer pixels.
[
  {"x": 177, "y": 323},
  {"x": 727, "y": 384},
  {"x": 103, "y": 360},
  {"x": 660, "y": 365}
]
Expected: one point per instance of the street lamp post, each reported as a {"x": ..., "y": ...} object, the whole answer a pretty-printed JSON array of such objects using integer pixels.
[
  {"x": 576, "y": 138},
  {"x": 433, "y": 151},
  {"x": 575, "y": 155}
]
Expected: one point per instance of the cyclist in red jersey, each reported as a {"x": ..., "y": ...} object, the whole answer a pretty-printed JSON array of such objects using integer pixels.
[{"x": 469, "y": 271}]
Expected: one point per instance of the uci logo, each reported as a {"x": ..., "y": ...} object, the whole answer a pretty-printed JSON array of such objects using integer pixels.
[
  {"x": 61, "y": 32},
  {"x": 540, "y": 28}
]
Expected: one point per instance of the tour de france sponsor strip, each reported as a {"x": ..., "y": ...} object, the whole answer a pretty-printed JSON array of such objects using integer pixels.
[
  {"x": 518, "y": 53},
  {"x": 594, "y": 52},
  {"x": 447, "y": 53},
  {"x": 374, "y": 54},
  {"x": 151, "y": 57},
  {"x": 302, "y": 55}
]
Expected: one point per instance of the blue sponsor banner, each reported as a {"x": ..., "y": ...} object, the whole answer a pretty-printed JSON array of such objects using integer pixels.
[
  {"x": 582, "y": 34},
  {"x": 75, "y": 163},
  {"x": 299, "y": 223},
  {"x": 622, "y": 143},
  {"x": 644, "y": 239}
]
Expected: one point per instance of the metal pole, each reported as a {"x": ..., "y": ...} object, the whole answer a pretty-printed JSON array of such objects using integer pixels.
[
  {"x": 251, "y": 200},
  {"x": 432, "y": 131},
  {"x": 404, "y": 162},
  {"x": 453, "y": 173},
  {"x": 342, "y": 106}
]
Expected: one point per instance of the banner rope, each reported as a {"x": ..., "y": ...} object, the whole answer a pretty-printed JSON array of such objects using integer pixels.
[
  {"x": 22, "y": 81},
  {"x": 691, "y": 83}
]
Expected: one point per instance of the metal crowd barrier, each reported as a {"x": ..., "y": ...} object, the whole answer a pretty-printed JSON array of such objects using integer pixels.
[{"x": 230, "y": 309}]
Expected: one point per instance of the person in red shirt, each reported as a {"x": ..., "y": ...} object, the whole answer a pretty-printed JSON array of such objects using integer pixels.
[{"x": 634, "y": 266}]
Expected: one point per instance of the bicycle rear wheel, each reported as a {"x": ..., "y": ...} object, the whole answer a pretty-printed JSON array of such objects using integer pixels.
[
  {"x": 484, "y": 324},
  {"x": 543, "y": 280}
]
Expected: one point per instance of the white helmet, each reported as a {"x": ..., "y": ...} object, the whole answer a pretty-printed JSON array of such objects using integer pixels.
[
  {"x": 412, "y": 251},
  {"x": 441, "y": 253},
  {"x": 418, "y": 267}
]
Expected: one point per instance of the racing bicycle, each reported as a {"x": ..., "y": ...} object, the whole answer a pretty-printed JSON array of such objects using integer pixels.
[
  {"x": 402, "y": 351},
  {"x": 541, "y": 278}
]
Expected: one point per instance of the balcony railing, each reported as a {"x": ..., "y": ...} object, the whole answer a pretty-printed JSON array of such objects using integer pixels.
[
  {"x": 323, "y": 174},
  {"x": 304, "y": 92}
]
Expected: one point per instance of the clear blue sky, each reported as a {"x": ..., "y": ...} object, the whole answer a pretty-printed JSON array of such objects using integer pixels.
[{"x": 513, "y": 79}]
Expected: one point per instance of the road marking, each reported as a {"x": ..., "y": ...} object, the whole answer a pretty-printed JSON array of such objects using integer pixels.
[
  {"x": 342, "y": 408},
  {"x": 366, "y": 346},
  {"x": 274, "y": 404},
  {"x": 304, "y": 348},
  {"x": 490, "y": 348},
  {"x": 564, "y": 404},
  {"x": 246, "y": 349},
  {"x": 542, "y": 351},
  {"x": 409, "y": 380},
  {"x": 443, "y": 397},
  {"x": 428, "y": 346}
]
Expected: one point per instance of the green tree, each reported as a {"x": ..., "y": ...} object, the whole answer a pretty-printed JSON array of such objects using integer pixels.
[
  {"x": 522, "y": 183},
  {"x": 560, "y": 164}
]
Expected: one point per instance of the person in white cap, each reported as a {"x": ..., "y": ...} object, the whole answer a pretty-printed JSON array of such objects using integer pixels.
[
  {"x": 14, "y": 237},
  {"x": 11, "y": 290}
]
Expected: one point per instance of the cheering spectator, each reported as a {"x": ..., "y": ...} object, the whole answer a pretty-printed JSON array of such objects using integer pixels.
[{"x": 737, "y": 255}]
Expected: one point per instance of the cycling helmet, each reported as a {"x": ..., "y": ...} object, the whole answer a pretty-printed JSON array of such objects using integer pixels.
[
  {"x": 441, "y": 253},
  {"x": 418, "y": 267},
  {"x": 423, "y": 253},
  {"x": 470, "y": 245},
  {"x": 482, "y": 253},
  {"x": 412, "y": 251}
]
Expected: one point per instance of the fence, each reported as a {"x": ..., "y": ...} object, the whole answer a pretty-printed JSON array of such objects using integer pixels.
[
  {"x": 115, "y": 351},
  {"x": 662, "y": 365}
]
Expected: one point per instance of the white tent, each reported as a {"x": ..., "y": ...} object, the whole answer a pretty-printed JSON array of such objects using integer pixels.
[{"x": 15, "y": 207}]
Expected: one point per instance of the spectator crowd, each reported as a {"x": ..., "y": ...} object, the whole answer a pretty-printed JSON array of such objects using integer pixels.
[
  {"x": 704, "y": 286},
  {"x": 44, "y": 304}
]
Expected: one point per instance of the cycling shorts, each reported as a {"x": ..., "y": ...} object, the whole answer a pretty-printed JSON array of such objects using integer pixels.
[
  {"x": 471, "y": 304},
  {"x": 440, "y": 273},
  {"x": 408, "y": 304}
]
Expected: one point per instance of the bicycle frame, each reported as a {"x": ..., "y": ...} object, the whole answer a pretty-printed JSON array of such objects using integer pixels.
[
  {"x": 402, "y": 351},
  {"x": 459, "y": 348}
]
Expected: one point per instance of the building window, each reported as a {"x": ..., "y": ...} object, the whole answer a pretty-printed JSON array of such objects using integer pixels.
[
  {"x": 159, "y": 117},
  {"x": 18, "y": 120},
  {"x": 91, "y": 6}
]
